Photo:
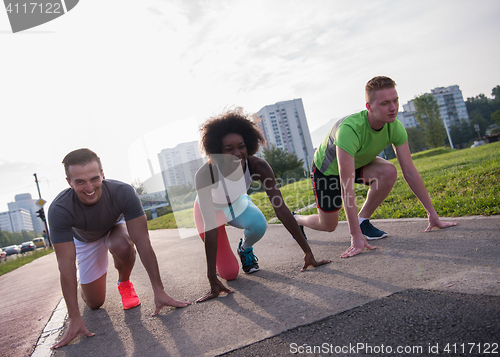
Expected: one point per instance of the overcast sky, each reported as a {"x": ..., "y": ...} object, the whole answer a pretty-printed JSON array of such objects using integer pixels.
[{"x": 129, "y": 78}]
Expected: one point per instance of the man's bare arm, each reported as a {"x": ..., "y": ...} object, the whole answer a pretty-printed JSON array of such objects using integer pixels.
[
  {"x": 138, "y": 232},
  {"x": 347, "y": 177},
  {"x": 416, "y": 184},
  {"x": 66, "y": 260}
]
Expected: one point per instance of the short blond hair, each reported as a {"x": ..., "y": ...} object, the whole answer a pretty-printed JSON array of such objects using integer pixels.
[{"x": 376, "y": 84}]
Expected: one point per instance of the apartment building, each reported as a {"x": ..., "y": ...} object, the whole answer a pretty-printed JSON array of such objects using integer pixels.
[
  {"x": 25, "y": 201},
  {"x": 451, "y": 107},
  {"x": 17, "y": 220},
  {"x": 179, "y": 164},
  {"x": 284, "y": 125}
]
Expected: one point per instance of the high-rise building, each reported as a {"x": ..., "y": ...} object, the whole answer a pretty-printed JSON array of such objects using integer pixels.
[
  {"x": 451, "y": 104},
  {"x": 451, "y": 107},
  {"x": 16, "y": 220},
  {"x": 25, "y": 201},
  {"x": 284, "y": 125},
  {"x": 179, "y": 165},
  {"x": 407, "y": 116}
]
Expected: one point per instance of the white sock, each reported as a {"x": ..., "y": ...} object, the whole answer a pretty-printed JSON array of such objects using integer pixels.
[{"x": 361, "y": 220}]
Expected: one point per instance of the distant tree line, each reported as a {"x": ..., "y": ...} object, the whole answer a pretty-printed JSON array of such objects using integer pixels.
[
  {"x": 431, "y": 132},
  {"x": 286, "y": 167},
  {"x": 484, "y": 112},
  {"x": 16, "y": 238}
]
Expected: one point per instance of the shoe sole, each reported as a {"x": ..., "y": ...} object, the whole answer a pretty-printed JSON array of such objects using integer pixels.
[
  {"x": 131, "y": 307},
  {"x": 252, "y": 270},
  {"x": 375, "y": 238}
]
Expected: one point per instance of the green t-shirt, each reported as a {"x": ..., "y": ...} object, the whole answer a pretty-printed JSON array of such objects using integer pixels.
[{"x": 354, "y": 135}]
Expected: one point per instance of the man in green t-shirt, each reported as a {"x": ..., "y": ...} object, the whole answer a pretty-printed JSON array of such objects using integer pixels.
[{"x": 348, "y": 155}]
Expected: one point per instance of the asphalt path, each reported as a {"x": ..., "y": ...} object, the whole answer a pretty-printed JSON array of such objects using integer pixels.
[
  {"x": 438, "y": 291},
  {"x": 28, "y": 298}
]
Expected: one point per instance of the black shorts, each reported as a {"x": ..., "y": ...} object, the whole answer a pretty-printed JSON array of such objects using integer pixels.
[{"x": 327, "y": 189}]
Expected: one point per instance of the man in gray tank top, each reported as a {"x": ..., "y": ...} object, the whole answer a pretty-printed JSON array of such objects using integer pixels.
[{"x": 89, "y": 219}]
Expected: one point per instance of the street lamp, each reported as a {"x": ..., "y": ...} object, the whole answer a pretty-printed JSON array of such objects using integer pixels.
[
  {"x": 478, "y": 129},
  {"x": 41, "y": 212}
]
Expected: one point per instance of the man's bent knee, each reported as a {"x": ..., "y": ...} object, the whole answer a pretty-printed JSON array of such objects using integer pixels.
[
  {"x": 386, "y": 176},
  {"x": 94, "y": 293},
  {"x": 391, "y": 173},
  {"x": 123, "y": 249},
  {"x": 119, "y": 243},
  {"x": 94, "y": 305},
  {"x": 329, "y": 226},
  {"x": 328, "y": 221}
]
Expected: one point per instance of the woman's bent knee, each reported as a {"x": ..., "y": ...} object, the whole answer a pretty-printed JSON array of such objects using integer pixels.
[{"x": 260, "y": 228}]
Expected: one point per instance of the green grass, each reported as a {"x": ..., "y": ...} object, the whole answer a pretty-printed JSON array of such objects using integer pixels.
[
  {"x": 181, "y": 219},
  {"x": 460, "y": 182},
  {"x": 22, "y": 259}
]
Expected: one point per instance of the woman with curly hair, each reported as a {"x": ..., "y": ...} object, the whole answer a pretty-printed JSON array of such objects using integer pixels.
[{"x": 231, "y": 140}]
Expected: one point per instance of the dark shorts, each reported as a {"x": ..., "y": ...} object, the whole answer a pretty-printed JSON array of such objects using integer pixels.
[{"x": 327, "y": 189}]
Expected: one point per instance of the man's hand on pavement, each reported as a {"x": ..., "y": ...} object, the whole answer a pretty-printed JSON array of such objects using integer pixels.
[
  {"x": 76, "y": 327},
  {"x": 163, "y": 300},
  {"x": 436, "y": 222},
  {"x": 357, "y": 246}
]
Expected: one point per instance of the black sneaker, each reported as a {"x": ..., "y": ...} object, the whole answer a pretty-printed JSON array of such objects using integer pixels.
[
  {"x": 301, "y": 228},
  {"x": 248, "y": 259},
  {"x": 370, "y": 232}
]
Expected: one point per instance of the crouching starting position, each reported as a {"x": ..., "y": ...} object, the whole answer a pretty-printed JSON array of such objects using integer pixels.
[
  {"x": 348, "y": 155},
  {"x": 89, "y": 219},
  {"x": 231, "y": 140}
]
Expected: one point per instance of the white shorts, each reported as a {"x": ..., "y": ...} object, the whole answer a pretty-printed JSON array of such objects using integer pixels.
[{"x": 93, "y": 258}]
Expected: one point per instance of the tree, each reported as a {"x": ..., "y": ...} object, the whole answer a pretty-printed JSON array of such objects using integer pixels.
[
  {"x": 429, "y": 120},
  {"x": 15, "y": 238},
  {"x": 495, "y": 92},
  {"x": 496, "y": 116},
  {"x": 416, "y": 140},
  {"x": 462, "y": 133},
  {"x": 139, "y": 187},
  {"x": 284, "y": 164},
  {"x": 476, "y": 118},
  {"x": 484, "y": 105}
]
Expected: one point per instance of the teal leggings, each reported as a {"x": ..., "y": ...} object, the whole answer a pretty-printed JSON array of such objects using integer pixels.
[{"x": 243, "y": 214}]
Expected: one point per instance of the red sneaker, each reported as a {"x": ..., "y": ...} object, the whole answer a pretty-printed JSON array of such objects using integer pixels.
[{"x": 129, "y": 297}]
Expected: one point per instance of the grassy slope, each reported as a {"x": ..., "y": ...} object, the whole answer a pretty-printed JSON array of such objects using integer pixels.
[
  {"x": 460, "y": 183},
  {"x": 12, "y": 263}
]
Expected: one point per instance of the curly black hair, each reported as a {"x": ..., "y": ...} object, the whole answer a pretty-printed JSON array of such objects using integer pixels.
[{"x": 230, "y": 121}]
